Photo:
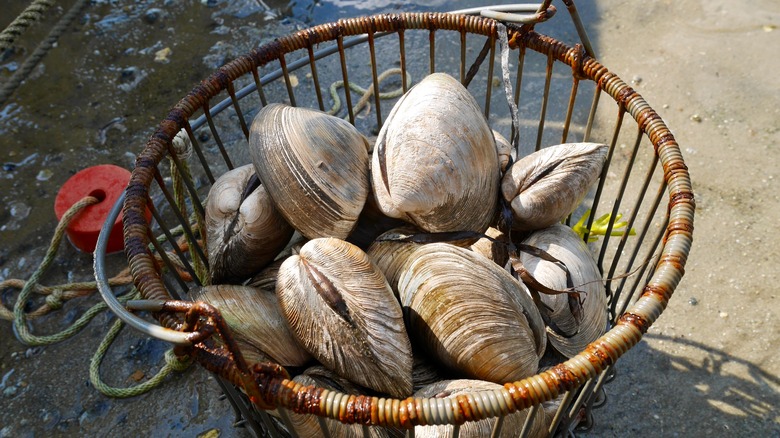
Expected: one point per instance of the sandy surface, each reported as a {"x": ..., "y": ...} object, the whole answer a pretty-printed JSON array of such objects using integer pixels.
[{"x": 708, "y": 367}]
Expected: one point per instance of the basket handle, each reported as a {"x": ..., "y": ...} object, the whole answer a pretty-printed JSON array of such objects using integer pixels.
[{"x": 153, "y": 330}]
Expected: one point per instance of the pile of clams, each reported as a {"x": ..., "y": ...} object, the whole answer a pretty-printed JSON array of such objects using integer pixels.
[{"x": 395, "y": 268}]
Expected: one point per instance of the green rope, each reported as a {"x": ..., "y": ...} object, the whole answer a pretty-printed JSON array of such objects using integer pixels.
[
  {"x": 172, "y": 363},
  {"x": 20, "y": 323},
  {"x": 32, "y": 13},
  {"x": 366, "y": 92},
  {"x": 29, "y": 64}
]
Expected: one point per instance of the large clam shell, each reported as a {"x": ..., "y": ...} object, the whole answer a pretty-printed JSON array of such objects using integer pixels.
[
  {"x": 243, "y": 234},
  {"x": 544, "y": 187},
  {"x": 435, "y": 162},
  {"x": 512, "y": 423},
  {"x": 571, "y": 332},
  {"x": 472, "y": 315},
  {"x": 315, "y": 168},
  {"x": 256, "y": 321},
  {"x": 340, "y": 307}
]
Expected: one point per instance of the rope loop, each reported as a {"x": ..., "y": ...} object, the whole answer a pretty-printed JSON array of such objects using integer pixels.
[
  {"x": 177, "y": 363},
  {"x": 54, "y": 300}
]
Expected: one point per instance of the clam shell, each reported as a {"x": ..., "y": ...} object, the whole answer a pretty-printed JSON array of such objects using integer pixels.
[
  {"x": 504, "y": 150},
  {"x": 568, "y": 337},
  {"x": 254, "y": 317},
  {"x": 341, "y": 309},
  {"x": 435, "y": 162},
  {"x": 491, "y": 250},
  {"x": 544, "y": 187},
  {"x": 390, "y": 255},
  {"x": 511, "y": 426},
  {"x": 315, "y": 168},
  {"x": 470, "y": 314},
  {"x": 241, "y": 237}
]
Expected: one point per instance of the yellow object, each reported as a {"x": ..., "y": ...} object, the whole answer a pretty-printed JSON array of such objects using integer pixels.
[{"x": 600, "y": 225}]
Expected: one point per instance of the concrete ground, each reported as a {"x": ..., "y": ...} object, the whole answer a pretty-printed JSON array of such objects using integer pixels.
[{"x": 708, "y": 367}]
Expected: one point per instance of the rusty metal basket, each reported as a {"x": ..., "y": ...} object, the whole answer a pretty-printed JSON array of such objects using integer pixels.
[{"x": 645, "y": 177}]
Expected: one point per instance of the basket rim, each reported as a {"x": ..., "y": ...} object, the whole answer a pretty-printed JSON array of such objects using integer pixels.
[{"x": 514, "y": 396}]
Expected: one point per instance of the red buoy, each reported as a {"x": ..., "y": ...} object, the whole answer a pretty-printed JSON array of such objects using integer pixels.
[{"x": 105, "y": 182}]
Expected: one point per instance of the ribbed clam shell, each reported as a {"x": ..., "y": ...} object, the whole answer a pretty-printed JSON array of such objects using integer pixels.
[
  {"x": 565, "y": 245},
  {"x": 340, "y": 307},
  {"x": 512, "y": 423},
  {"x": 471, "y": 314},
  {"x": 547, "y": 185},
  {"x": 315, "y": 168},
  {"x": 308, "y": 426},
  {"x": 435, "y": 162},
  {"x": 254, "y": 317},
  {"x": 241, "y": 237}
]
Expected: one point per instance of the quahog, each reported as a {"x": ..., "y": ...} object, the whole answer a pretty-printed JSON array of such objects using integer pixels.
[
  {"x": 547, "y": 185},
  {"x": 244, "y": 231},
  {"x": 470, "y": 314},
  {"x": 257, "y": 324},
  {"x": 578, "y": 320},
  {"x": 435, "y": 163},
  {"x": 315, "y": 167},
  {"x": 341, "y": 309}
]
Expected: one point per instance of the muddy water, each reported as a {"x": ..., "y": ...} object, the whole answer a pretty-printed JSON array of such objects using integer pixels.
[{"x": 95, "y": 99}]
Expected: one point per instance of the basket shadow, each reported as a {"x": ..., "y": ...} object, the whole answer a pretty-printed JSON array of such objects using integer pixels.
[{"x": 697, "y": 391}]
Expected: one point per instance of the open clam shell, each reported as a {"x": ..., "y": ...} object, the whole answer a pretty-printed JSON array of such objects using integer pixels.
[
  {"x": 470, "y": 314},
  {"x": 574, "y": 327},
  {"x": 340, "y": 307},
  {"x": 544, "y": 187},
  {"x": 244, "y": 231},
  {"x": 435, "y": 162},
  {"x": 315, "y": 167},
  {"x": 256, "y": 321},
  {"x": 511, "y": 426}
]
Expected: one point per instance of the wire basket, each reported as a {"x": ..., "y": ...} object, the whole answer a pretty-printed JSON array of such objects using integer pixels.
[{"x": 559, "y": 91}]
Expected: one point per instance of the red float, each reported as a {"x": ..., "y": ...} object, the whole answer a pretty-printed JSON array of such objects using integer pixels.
[{"x": 105, "y": 182}]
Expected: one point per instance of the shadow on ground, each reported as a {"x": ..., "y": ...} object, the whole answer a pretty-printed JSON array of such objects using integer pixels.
[{"x": 698, "y": 391}]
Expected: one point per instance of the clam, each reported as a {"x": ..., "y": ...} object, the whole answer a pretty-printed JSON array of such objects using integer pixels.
[
  {"x": 341, "y": 309},
  {"x": 579, "y": 320},
  {"x": 315, "y": 168},
  {"x": 470, "y": 314},
  {"x": 306, "y": 426},
  {"x": 504, "y": 150},
  {"x": 435, "y": 162},
  {"x": 511, "y": 425},
  {"x": 257, "y": 324},
  {"x": 493, "y": 247},
  {"x": 389, "y": 253},
  {"x": 547, "y": 185},
  {"x": 244, "y": 231},
  {"x": 425, "y": 372}
]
